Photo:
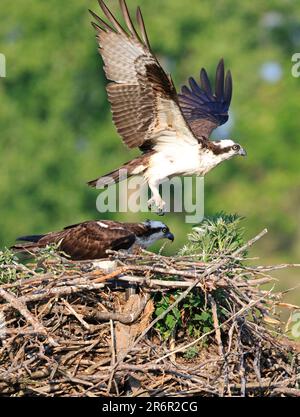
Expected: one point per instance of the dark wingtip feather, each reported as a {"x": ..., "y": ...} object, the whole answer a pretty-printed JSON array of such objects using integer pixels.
[
  {"x": 228, "y": 88},
  {"x": 199, "y": 103},
  {"x": 142, "y": 27},
  {"x": 111, "y": 17},
  {"x": 194, "y": 86},
  {"x": 96, "y": 27},
  {"x": 205, "y": 83},
  {"x": 219, "y": 84},
  {"x": 221, "y": 64},
  {"x": 101, "y": 21},
  {"x": 185, "y": 90},
  {"x": 127, "y": 18}
]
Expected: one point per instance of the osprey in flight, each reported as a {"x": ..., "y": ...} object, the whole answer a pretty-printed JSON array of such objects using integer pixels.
[
  {"x": 172, "y": 130},
  {"x": 91, "y": 239}
]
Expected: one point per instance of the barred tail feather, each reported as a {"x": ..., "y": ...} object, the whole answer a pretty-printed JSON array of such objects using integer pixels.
[
  {"x": 108, "y": 179},
  {"x": 31, "y": 238},
  {"x": 135, "y": 167},
  {"x": 30, "y": 243},
  {"x": 25, "y": 248}
]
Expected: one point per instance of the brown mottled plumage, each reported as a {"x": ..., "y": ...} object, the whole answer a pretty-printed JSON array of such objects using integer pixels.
[
  {"x": 91, "y": 239},
  {"x": 171, "y": 130},
  {"x": 140, "y": 86}
]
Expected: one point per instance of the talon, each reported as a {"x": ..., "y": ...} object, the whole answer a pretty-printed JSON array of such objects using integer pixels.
[
  {"x": 161, "y": 208},
  {"x": 151, "y": 203},
  {"x": 156, "y": 205}
]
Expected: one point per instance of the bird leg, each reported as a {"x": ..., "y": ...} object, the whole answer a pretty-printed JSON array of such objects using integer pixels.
[{"x": 156, "y": 202}]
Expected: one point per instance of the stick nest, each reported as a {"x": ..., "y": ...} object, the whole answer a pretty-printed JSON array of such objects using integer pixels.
[{"x": 151, "y": 325}]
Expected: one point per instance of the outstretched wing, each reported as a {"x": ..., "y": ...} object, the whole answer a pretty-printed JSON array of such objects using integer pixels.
[
  {"x": 143, "y": 97},
  {"x": 203, "y": 109}
]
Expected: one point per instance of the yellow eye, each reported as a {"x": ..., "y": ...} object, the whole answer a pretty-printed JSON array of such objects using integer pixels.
[
  {"x": 164, "y": 230},
  {"x": 236, "y": 147}
]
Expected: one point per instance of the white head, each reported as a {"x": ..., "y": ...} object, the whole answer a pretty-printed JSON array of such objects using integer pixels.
[
  {"x": 215, "y": 151},
  {"x": 155, "y": 230},
  {"x": 227, "y": 148}
]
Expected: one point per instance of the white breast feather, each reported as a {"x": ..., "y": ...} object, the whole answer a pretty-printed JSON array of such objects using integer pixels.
[
  {"x": 177, "y": 156},
  {"x": 146, "y": 241},
  {"x": 174, "y": 156}
]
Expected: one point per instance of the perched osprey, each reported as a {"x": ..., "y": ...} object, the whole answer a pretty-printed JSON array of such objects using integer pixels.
[
  {"x": 171, "y": 130},
  {"x": 91, "y": 239}
]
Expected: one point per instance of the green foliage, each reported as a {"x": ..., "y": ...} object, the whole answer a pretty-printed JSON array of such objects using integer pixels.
[
  {"x": 13, "y": 266},
  {"x": 49, "y": 259},
  {"x": 216, "y": 235},
  {"x": 198, "y": 316},
  {"x": 193, "y": 314},
  {"x": 191, "y": 352},
  {"x": 8, "y": 261},
  {"x": 173, "y": 319}
]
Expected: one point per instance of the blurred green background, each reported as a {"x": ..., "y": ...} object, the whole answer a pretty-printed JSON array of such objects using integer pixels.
[{"x": 57, "y": 132}]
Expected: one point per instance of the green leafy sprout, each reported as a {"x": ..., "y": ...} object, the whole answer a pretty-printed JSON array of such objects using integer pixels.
[{"x": 215, "y": 236}]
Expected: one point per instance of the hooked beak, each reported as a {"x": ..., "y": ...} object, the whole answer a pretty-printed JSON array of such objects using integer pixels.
[
  {"x": 242, "y": 152},
  {"x": 169, "y": 236}
]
